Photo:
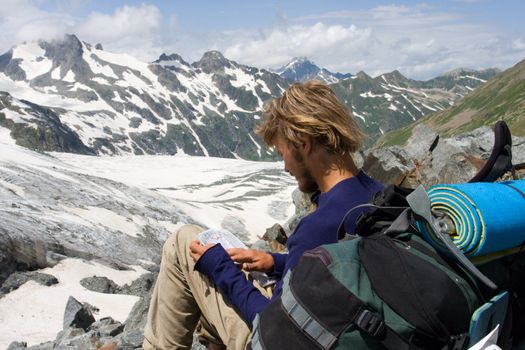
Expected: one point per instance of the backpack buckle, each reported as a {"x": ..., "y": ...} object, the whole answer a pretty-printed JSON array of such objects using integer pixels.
[
  {"x": 370, "y": 323},
  {"x": 458, "y": 342}
]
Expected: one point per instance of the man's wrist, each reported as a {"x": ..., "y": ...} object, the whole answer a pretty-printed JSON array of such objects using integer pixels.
[{"x": 210, "y": 259}]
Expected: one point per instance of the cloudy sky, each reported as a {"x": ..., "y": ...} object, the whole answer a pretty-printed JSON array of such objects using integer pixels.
[{"x": 421, "y": 39}]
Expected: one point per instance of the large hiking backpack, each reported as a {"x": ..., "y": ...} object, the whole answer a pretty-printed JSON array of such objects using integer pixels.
[
  {"x": 379, "y": 291},
  {"x": 391, "y": 289}
]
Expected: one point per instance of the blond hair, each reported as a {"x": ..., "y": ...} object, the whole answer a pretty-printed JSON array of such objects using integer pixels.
[{"x": 312, "y": 109}]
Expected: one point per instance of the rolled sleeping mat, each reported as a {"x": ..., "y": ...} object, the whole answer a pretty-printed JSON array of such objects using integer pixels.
[{"x": 489, "y": 217}]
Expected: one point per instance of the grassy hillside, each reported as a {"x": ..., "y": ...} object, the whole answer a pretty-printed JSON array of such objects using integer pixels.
[{"x": 501, "y": 98}]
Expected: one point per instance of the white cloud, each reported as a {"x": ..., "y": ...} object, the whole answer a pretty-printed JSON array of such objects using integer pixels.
[
  {"x": 279, "y": 45},
  {"x": 418, "y": 40},
  {"x": 518, "y": 44},
  {"x": 130, "y": 29},
  {"x": 23, "y": 21},
  {"x": 126, "y": 21}
]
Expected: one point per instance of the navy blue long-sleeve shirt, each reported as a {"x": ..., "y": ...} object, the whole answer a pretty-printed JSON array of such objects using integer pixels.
[{"x": 317, "y": 228}]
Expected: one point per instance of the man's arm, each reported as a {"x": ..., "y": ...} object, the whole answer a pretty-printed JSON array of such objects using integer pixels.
[{"x": 214, "y": 262}]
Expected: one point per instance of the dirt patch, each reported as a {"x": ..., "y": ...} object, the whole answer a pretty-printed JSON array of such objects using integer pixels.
[{"x": 459, "y": 120}]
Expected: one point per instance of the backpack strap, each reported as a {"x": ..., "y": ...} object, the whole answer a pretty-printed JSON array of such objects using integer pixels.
[{"x": 500, "y": 160}]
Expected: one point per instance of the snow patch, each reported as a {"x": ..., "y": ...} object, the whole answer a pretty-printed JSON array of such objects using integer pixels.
[
  {"x": 43, "y": 320},
  {"x": 34, "y": 62},
  {"x": 5, "y": 136}
]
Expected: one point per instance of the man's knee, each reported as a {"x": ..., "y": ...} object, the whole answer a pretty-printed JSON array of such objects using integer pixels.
[
  {"x": 181, "y": 239},
  {"x": 187, "y": 233}
]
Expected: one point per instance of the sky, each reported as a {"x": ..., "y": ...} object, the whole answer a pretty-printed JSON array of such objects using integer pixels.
[{"x": 420, "y": 39}]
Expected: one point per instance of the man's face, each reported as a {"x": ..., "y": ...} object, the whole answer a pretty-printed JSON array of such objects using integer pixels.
[{"x": 294, "y": 164}]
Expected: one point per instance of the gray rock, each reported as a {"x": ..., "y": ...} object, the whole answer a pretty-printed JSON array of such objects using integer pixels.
[
  {"x": 359, "y": 158},
  {"x": 418, "y": 145},
  {"x": 87, "y": 341},
  {"x": 138, "y": 315},
  {"x": 17, "y": 345},
  {"x": 77, "y": 315},
  {"x": 69, "y": 333},
  {"x": 388, "y": 165},
  {"x": 130, "y": 340},
  {"x": 518, "y": 150},
  {"x": 16, "y": 279},
  {"x": 303, "y": 206},
  {"x": 43, "y": 346},
  {"x": 141, "y": 287},
  {"x": 275, "y": 233},
  {"x": 99, "y": 284},
  {"x": 107, "y": 327}
]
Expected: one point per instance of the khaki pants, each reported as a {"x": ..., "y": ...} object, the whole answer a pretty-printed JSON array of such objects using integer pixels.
[{"x": 182, "y": 297}]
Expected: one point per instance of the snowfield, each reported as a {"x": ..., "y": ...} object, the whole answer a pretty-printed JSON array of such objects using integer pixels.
[{"x": 107, "y": 207}]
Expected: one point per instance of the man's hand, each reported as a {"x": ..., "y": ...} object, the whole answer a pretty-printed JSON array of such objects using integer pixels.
[
  {"x": 252, "y": 260},
  {"x": 197, "y": 249}
]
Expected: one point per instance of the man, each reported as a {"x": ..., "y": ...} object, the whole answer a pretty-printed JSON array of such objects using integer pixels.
[{"x": 315, "y": 135}]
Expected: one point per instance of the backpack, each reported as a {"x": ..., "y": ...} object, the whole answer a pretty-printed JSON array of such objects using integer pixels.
[
  {"x": 376, "y": 291},
  {"x": 389, "y": 288}
]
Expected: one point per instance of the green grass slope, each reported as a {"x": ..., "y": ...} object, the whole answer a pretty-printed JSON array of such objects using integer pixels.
[{"x": 501, "y": 98}]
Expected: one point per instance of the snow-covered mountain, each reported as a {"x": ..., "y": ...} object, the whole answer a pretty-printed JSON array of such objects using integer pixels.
[
  {"x": 70, "y": 96},
  {"x": 391, "y": 101},
  {"x": 301, "y": 69}
]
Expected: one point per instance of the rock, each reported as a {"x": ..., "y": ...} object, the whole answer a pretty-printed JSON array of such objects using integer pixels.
[
  {"x": 16, "y": 279},
  {"x": 303, "y": 205},
  {"x": 87, "y": 341},
  {"x": 140, "y": 287},
  {"x": 359, "y": 158},
  {"x": 518, "y": 150},
  {"x": 77, "y": 315},
  {"x": 107, "y": 327},
  {"x": 138, "y": 315},
  {"x": 419, "y": 143},
  {"x": 43, "y": 346},
  {"x": 130, "y": 340},
  {"x": 17, "y": 345},
  {"x": 388, "y": 165},
  {"x": 275, "y": 233},
  {"x": 69, "y": 333},
  {"x": 99, "y": 284}
]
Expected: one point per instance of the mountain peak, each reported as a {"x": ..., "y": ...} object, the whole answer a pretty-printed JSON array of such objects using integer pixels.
[
  {"x": 301, "y": 69},
  {"x": 394, "y": 76},
  {"x": 212, "y": 61},
  {"x": 300, "y": 59},
  {"x": 171, "y": 60}
]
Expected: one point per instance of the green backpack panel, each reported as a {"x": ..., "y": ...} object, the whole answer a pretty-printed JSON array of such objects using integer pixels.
[{"x": 375, "y": 292}]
